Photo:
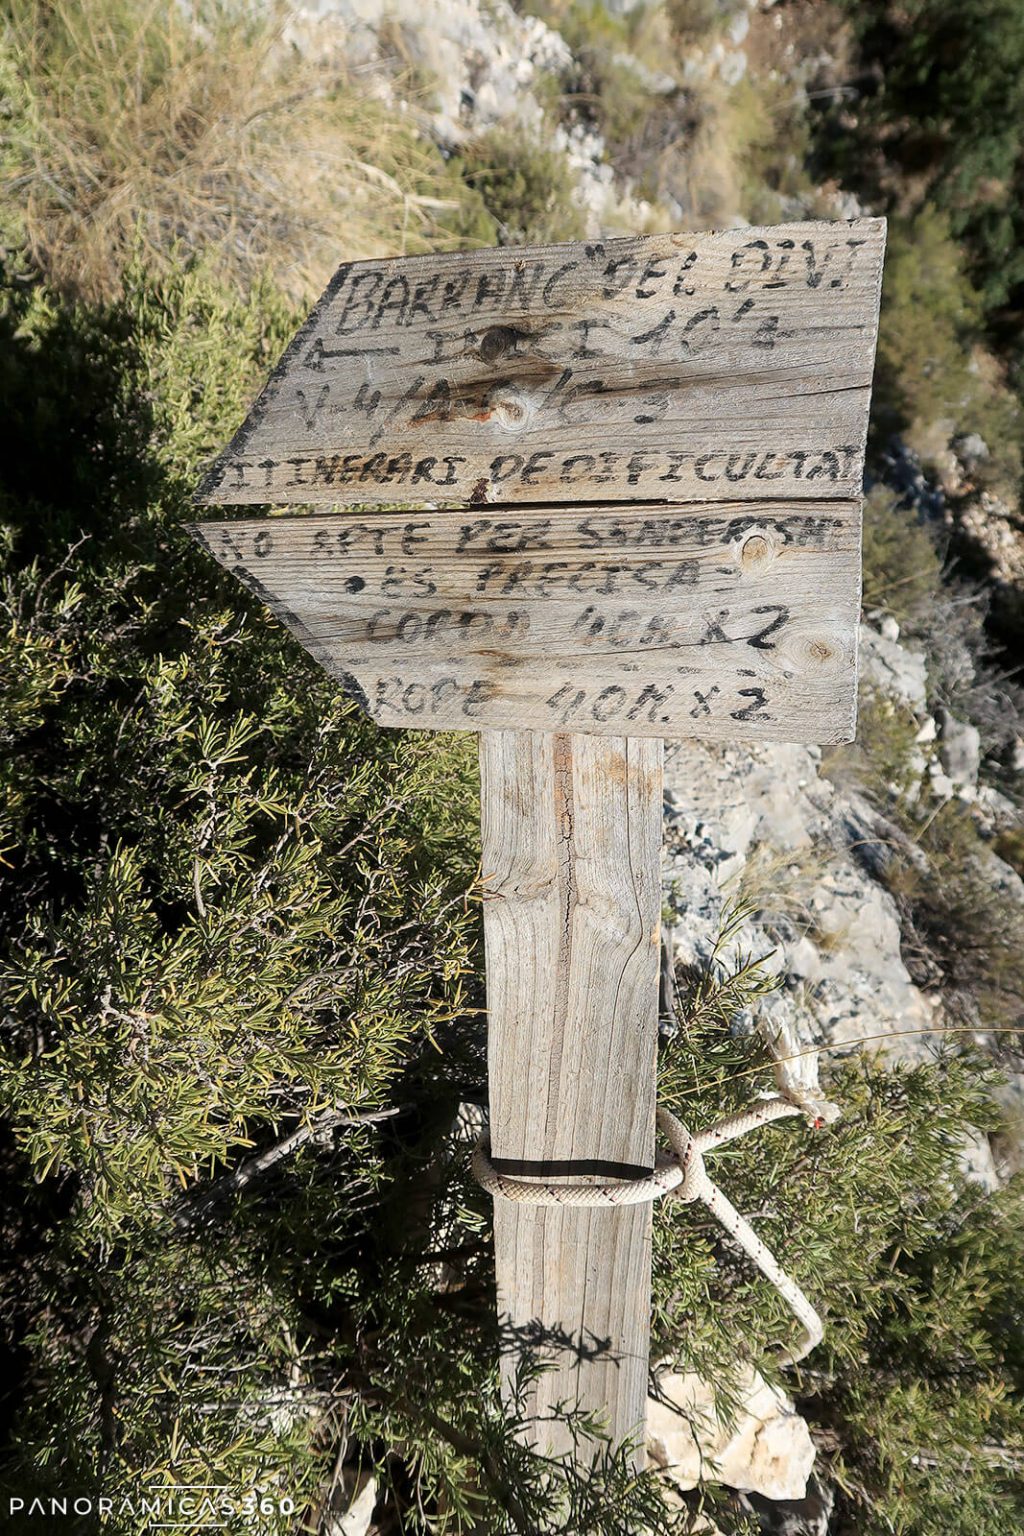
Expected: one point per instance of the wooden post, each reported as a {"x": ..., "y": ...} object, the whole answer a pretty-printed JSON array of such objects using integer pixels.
[{"x": 571, "y": 872}]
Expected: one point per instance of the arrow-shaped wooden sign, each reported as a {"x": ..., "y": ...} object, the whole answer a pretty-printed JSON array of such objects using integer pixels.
[{"x": 650, "y": 452}]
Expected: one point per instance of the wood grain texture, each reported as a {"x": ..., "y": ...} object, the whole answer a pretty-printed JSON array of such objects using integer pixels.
[
  {"x": 571, "y": 876},
  {"x": 671, "y": 366},
  {"x": 722, "y": 621}
]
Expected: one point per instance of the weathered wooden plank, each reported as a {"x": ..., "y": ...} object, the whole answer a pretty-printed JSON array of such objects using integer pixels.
[
  {"x": 670, "y": 366},
  {"x": 727, "y": 622},
  {"x": 571, "y": 875}
]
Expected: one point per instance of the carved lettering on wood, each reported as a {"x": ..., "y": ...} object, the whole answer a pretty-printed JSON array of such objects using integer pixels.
[
  {"x": 728, "y": 621},
  {"x": 673, "y": 367}
]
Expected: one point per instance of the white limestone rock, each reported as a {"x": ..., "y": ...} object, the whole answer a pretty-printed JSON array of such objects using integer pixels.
[
  {"x": 972, "y": 449},
  {"x": 766, "y": 1449},
  {"x": 1008, "y": 1142},
  {"x": 995, "y": 812},
  {"x": 976, "y": 1161},
  {"x": 735, "y": 813},
  {"x": 360, "y": 1502},
  {"x": 483, "y": 64},
  {"x": 940, "y": 784},
  {"x": 959, "y": 749},
  {"x": 894, "y": 668}
]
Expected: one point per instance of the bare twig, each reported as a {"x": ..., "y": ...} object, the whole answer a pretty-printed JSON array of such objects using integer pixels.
[{"x": 190, "y": 1215}]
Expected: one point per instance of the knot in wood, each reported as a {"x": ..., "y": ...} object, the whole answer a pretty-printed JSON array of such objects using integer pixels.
[
  {"x": 507, "y": 408},
  {"x": 499, "y": 339},
  {"x": 755, "y": 552}
]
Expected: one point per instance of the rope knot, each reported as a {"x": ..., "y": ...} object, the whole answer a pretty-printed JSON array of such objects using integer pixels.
[
  {"x": 687, "y": 1157},
  {"x": 681, "y": 1172}
]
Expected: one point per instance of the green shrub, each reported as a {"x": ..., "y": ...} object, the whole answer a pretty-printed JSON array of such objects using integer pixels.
[
  {"x": 962, "y": 931},
  {"x": 966, "y": 672},
  {"x": 901, "y": 564},
  {"x": 885, "y": 759},
  {"x": 697, "y": 21},
  {"x": 606, "y": 91},
  {"x": 946, "y": 115},
  {"x": 766, "y": 123},
  {"x": 1009, "y": 846},
  {"x": 931, "y": 380},
  {"x": 605, "y": 84},
  {"x": 916, "y": 1393},
  {"x": 716, "y": 151},
  {"x": 930, "y": 315},
  {"x": 526, "y": 189},
  {"x": 923, "y": 1400},
  {"x": 227, "y": 897}
]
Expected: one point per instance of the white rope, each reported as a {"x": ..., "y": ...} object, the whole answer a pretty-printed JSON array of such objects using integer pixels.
[{"x": 682, "y": 1174}]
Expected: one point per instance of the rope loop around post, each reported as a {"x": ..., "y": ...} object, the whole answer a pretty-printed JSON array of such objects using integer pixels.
[{"x": 682, "y": 1174}]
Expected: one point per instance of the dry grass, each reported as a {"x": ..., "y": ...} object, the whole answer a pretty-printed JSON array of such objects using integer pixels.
[
  {"x": 782, "y": 883},
  {"x": 710, "y": 152},
  {"x": 139, "y": 129}
]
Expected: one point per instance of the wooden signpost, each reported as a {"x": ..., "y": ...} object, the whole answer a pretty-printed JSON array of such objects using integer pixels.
[{"x": 632, "y": 474}]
